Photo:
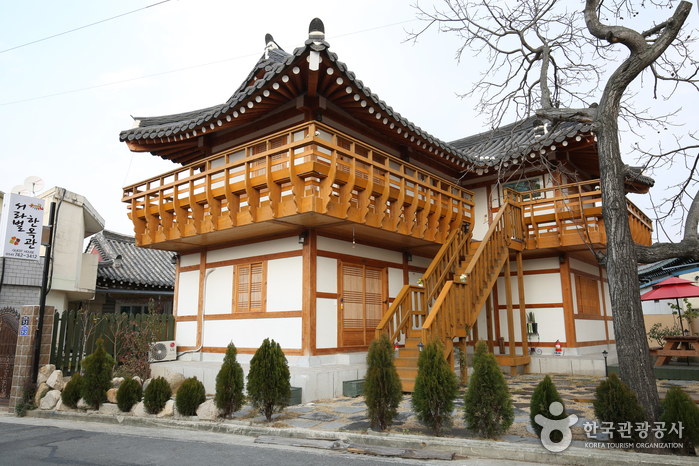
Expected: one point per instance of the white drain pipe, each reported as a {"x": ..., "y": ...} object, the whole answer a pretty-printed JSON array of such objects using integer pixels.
[{"x": 203, "y": 312}]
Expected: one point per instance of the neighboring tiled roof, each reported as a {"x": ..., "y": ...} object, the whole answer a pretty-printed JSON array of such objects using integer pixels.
[
  {"x": 514, "y": 140},
  {"x": 139, "y": 266}
]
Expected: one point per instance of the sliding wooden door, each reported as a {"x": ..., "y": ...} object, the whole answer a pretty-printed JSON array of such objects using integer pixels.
[{"x": 362, "y": 303}]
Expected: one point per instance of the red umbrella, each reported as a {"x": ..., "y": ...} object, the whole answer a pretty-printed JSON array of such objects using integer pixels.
[{"x": 672, "y": 288}]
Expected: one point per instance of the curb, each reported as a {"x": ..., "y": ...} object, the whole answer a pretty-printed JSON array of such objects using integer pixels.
[{"x": 464, "y": 447}]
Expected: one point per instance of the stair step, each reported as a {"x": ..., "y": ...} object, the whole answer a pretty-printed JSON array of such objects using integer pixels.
[
  {"x": 407, "y": 352},
  {"x": 407, "y": 372},
  {"x": 405, "y": 361},
  {"x": 408, "y": 384}
]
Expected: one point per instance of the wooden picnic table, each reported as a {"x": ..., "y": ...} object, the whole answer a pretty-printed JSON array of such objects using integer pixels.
[{"x": 674, "y": 347}]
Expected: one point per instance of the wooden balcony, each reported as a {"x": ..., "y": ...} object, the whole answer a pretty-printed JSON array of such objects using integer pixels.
[
  {"x": 571, "y": 215},
  {"x": 308, "y": 176}
]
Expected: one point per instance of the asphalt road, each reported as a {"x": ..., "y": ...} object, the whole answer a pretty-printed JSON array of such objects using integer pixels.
[{"x": 33, "y": 442}]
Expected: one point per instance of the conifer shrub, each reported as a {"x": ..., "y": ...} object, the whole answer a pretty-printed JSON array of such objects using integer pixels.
[
  {"x": 98, "y": 376},
  {"x": 157, "y": 393},
  {"x": 269, "y": 387},
  {"x": 436, "y": 387},
  {"x": 616, "y": 403},
  {"x": 679, "y": 407},
  {"x": 229, "y": 396},
  {"x": 71, "y": 392},
  {"x": 189, "y": 396},
  {"x": 383, "y": 390},
  {"x": 128, "y": 394},
  {"x": 544, "y": 394},
  {"x": 488, "y": 409}
]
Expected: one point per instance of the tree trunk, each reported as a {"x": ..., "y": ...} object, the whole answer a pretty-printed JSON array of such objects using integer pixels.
[{"x": 635, "y": 365}]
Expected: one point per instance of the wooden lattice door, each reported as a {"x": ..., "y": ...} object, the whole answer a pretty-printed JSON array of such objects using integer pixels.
[
  {"x": 361, "y": 303},
  {"x": 9, "y": 325}
]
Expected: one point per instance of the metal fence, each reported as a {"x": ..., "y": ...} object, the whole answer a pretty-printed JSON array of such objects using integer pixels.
[{"x": 75, "y": 335}]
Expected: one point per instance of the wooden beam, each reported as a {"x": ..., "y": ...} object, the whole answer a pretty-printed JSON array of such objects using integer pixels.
[
  {"x": 522, "y": 308},
  {"x": 568, "y": 311},
  {"x": 200, "y": 301},
  {"x": 510, "y": 316},
  {"x": 310, "y": 254},
  {"x": 489, "y": 324}
]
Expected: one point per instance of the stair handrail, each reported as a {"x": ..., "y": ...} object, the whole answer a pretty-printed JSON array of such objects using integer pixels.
[
  {"x": 407, "y": 304},
  {"x": 459, "y": 308},
  {"x": 443, "y": 263}
]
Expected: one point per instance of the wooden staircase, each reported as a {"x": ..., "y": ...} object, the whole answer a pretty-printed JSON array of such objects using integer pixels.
[{"x": 445, "y": 306}]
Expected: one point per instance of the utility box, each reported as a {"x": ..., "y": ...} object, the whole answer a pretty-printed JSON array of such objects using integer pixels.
[
  {"x": 353, "y": 388},
  {"x": 295, "y": 396}
]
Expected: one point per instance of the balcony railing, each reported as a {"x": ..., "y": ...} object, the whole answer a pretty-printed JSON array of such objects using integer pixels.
[
  {"x": 571, "y": 214},
  {"x": 308, "y": 168}
]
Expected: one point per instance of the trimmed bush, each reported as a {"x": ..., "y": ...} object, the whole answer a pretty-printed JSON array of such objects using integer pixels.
[
  {"x": 487, "y": 402},
  {"x": 128, "y": 394},
  {"x": 156, "y": 395},
  {"x": 383, "y": 390},
  {"x": 269, "y": 387},
  {"x": 98, "y": 376},
  {"x": 189, "y": 396},
  {"x": 544, "y": 394},
  {"x": 71, "y": 392},
  {"x": 679, "y": 407},
  {"x": 616, "y": 403},
  {"x": 436, "y": 387},
  {"x": 229, "y": 396}
]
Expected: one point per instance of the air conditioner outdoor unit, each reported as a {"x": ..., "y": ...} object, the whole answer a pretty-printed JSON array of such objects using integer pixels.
[{"x": 163, "y": 351}]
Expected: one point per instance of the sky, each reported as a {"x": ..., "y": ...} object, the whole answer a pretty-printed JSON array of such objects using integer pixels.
[{"x": 64, "y": 100}]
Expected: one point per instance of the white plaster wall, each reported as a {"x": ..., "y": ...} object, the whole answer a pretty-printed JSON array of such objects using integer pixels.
[
  {"x": 186, "y": 333},
  {"x": 542, "y": 288},
  {"x": 610, "y": 326},
  {"x": 219, "y": 291},
  {"x": 326, "y": 323},
  {"x": 188, "y": 294},
  {"x": 250, "y": 333},
  {"x": 360, "y": 250},
  {"x": 285, "y": 284},
  {"x": 480, "y": 213},
  {"x": 482, "y": 324},
  {"x": 607, "y": 299},
  {"x": 551, "y": 322},
  {"x": 395, "y": 281},
  {"x": 190, "y": 259},
  {"x": 584, "y": 267},
  {"x": 539, "y": 264},
  {"x": 326, "y": 275},
  {"x": 255, "y": 249},
  {"x": 503, "y": 325},
  {"x": 419, "y": 261},
  {"x": 589, "y": 330},
  {"x": 413, "y": 277}
]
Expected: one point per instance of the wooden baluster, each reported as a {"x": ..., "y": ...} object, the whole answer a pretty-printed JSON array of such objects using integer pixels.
[
  {"x": 152, "y": 221},
  {"x": 181, "y": 213},
  {"x": 433, "y": 219},
  {"x": 232, "y": 200},
  {"x": 446, "y": 220},
  {"x": 380, "y": 202},
  {"x": 139, "y": 224},
  {"x": 214, "y": 204},
  {"x": 273, "y": 189},
  {"x": 409, "y": 217},
  {"x": 165, "y": 216},
  {"x": 397, "y": 207},
  {"x": 326, "y": 184},
  {"x": 297, "y": 183},
  {"x": 365, "y": 196},
  {"x": 196, "y": 209},
  {"x": 346, "y": 189},
  {"x": 253, "y": 194}
]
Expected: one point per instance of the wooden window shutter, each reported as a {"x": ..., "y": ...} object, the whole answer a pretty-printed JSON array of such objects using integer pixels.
[
  {"x": 587, "y": 293},
  {"x": 243, "y": 288},
  {"x": 250, "y": 289}
]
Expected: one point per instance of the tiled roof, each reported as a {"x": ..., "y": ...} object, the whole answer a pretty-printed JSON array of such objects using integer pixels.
[
  {"x": 139, "y": 266},
  {"x": 650, "y": 273}
]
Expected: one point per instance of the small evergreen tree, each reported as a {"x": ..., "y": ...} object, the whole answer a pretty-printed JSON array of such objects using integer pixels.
[
  {"x": 229, "y": 396},
  {"x": 189, "y": 396},
  {"x": 436, "y": 387},
  {"x": 157, "y": 393},
  {"x": 615, "y": 403},
  {"x": 488, "y": 409},
  {"x": 71, "y": 392},
  {"x": 98, "y": 376},
  {"x": 383, "y": 390},
  {"x": 544, "y": 394},
  {"x": 269, "y": 387},
  {"x": 129, "y": 393},
  {"x": 679, "y": 407}
]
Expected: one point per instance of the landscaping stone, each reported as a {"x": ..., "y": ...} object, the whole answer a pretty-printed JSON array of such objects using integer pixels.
[
  {"x": 333, "y": 426},
  {"x": 361, "y": 417},
  {"x": 207, "y": 411},
  {"x": 168, "y": 410},
  {"x": 55, "y": 380},
  {"x": 242, "y": 413},
  {"x": 359, "y": 403},
  {"x": 349, "y": 409},
  {"x": 300, "y": 409},
  {"x": 82, "y": 404},
  {"x": 264, "y": 418},
  {"x": 44, "y": 373},
  {"x": 175, "y": 380},
  {"x": 402, "y": 416},
  {"x": 109, "y": 408},
  {"x": 361, "y": 425},
  {"x": 117, "y": 381},
  {"x": 138, "y": 409},
  {"x": 41, "y": 390},
  {"x": 138, "y": 379},
  {"x": 320, "y": 416},
  {"x": 112, "y": 395},
  {"x": 49, "y": 401},
  {"x": 520, "y": 420}
]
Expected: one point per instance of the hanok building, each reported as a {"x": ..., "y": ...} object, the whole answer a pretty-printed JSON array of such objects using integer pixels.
[{"x": 308, "y": 211}]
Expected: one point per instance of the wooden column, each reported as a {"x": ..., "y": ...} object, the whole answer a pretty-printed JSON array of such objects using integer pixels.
[
  {"x": 522, "y": 309},
  {"x": 200, "y": 301},
  {"x": 489, "y": 323},
  {"x": 568, "y": 311},
  {"x": 310, "y": 253},
  {"x": 510, "y": 316}
]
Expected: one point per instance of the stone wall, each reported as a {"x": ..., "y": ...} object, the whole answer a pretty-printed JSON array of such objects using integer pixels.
[
  {"x": 21, "y": 285},
  {"x": 25, "y": 348}
]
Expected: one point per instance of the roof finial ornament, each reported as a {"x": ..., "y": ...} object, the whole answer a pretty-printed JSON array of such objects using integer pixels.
[
  {"x": 270, "y": 44},
  {"x": 316, "y": 30}
]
